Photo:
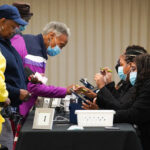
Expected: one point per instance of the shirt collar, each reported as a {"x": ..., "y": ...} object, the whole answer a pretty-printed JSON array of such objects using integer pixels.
[{"x": 41, "y": 40}]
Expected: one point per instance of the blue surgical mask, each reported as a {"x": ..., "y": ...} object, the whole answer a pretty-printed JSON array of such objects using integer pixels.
[
  {"x": 16, "y": 31},
  {"x": 133, "y": 76},
  {"x": 53, "y": 51},
  {"x": 121, "y": 73},
  {"x": 22, "y": 28}
]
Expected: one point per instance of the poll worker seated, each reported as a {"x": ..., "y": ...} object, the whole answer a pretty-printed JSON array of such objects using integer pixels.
[
  {"x": 137, "y": 109},
  {"x": 123, "y": 92}
]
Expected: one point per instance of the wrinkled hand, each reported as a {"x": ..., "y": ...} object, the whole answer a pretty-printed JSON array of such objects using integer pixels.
[
  {"x": 34, "y": 79},
  {"x": 85, "y": 91},
  {"x": 24, "y": 95},
  {"x": 90, "y": 105},
  {"x": 68, "y": 89},
  {"x": 100, "y": 81}
]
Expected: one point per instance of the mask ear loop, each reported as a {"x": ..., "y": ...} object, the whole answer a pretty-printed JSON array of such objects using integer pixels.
[
  {"x": 56, "y": 43},
  {"x": 50, "y": 41}
]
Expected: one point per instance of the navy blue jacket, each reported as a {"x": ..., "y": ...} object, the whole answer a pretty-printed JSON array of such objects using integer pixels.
[
  {"x": 35, "y": 45},
  {"x": 14, "y": 74}
]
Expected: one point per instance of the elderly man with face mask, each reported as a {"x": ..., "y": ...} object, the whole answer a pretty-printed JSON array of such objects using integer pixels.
[
  {"x": 34, "y": 51},
  {"x": 15, "y": 78}
]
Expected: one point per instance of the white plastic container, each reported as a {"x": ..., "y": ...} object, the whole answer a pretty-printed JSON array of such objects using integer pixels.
[{"x": 95, "y": 118}]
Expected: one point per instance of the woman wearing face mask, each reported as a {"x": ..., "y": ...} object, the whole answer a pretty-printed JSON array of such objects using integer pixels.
[
  {"x": 131, "y": 51},
  {"x": 138, "y": 113},
  {"x": 109, "y": 91},
  {"x": 108, "y": 97},
  {"x": 122, "y": 69},
  {"x": 137, "y": 109}
]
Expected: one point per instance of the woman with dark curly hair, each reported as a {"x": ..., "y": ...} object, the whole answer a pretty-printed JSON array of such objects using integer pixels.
[
  {"x": 109, "y": 96},
  {"x": 138, "y": 111}
]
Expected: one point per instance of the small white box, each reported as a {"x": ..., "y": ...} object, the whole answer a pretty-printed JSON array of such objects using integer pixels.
[{"x": 95, "y": 118}]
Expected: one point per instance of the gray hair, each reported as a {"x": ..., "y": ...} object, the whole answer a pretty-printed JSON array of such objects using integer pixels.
[{"x": 57, "y": 27}]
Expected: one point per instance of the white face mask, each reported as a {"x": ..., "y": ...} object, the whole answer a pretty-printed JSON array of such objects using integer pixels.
[
  {"x": 133, "y": 76},
  {"x": 121, "y": 73}
]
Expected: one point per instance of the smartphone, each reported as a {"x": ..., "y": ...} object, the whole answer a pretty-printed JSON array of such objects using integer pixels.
[
  {"x": 78, "y": 95},
  {"x": 88, "y": 85}
]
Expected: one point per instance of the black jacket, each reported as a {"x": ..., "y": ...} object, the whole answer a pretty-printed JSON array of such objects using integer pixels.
[
  {"x": 139, "y": 113},
  {"x": 133, "y": 110},
  {"x": 14, "y": 74},
  {"x": 129, "y": 110},
  {"x": 110, "y": 98},
  {"x": 123, "y": 88}
]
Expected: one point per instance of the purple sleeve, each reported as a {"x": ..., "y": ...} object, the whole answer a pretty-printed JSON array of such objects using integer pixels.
[
  {"x": 46, "y": 91},
  {"x": 19, "y": 44}
]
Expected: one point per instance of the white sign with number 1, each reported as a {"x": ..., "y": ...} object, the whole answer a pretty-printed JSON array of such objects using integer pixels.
[{"x": 43, "y": 118}]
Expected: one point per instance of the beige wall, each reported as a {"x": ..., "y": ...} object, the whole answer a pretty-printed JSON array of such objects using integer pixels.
[{"x": 100, "y": 30}]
